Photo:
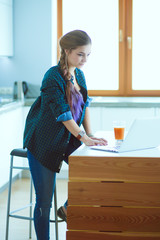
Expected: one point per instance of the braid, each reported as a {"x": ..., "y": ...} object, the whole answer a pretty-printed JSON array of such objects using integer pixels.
[
  {"x": 64, "y": 65},
  {"x": 66, "y": 74}
]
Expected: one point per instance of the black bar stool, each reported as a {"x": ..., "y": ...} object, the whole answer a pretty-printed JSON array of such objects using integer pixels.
[{"x": 20, "y": 152}]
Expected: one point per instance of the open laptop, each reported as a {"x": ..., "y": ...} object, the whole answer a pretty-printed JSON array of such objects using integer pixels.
[{"x": 144, "y": 133}]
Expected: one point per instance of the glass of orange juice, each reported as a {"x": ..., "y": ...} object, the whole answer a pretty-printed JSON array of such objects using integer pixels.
[{"x": 119, "y": 128}]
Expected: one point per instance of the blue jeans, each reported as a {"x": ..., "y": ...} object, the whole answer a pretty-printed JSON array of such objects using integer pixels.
[{"x": 44, "y": 184}]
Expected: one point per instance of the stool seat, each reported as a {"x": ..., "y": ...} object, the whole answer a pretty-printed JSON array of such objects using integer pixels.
[{"x": 19, "y": 152}]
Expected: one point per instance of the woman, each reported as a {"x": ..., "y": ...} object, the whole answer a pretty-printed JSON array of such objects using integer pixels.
[{"x": 52, "y": 130}]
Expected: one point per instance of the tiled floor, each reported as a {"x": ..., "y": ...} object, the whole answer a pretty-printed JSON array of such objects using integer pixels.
[{"x": 19, "y": 229}]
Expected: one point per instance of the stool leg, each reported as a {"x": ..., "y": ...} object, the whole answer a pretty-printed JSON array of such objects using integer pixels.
[
  {"x": 9, "y": 198},
  {"x": 55, "y": 212},
  {"x": 30, "y": 209}
]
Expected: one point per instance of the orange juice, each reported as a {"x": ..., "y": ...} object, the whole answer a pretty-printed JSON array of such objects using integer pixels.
[{"x": 119, "y": 133}]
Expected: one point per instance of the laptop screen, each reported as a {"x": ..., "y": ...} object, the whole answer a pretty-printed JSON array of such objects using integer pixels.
[{"x": 144, "y": 133}]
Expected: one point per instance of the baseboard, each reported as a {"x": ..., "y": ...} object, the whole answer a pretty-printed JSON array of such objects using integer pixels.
[
  {"x": 26, "y": 174},
  {"x": 5, "y": 186}
]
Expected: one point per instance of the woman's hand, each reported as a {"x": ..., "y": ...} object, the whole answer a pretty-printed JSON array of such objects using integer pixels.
[
  {"x": 72, "y": 126},
  {"x": 93, "y": 141}
]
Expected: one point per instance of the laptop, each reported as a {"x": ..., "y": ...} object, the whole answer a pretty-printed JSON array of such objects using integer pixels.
[{"x": 144, "y": 133}]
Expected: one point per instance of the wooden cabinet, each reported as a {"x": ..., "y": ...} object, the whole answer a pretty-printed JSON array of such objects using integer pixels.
[
  {"x": 11, "y": 136},
  {"x": 113, "y": 198},
  {"x": 6, "y": 27},
  {"x": 102, "y": 117}
]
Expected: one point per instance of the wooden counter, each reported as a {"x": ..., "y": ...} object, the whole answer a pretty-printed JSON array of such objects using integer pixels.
[{"x": 114, "y": 196}]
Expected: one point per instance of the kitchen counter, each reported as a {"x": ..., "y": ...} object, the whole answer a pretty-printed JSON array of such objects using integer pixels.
[
  {"x": 117, "y": 102},
  {"x": 125, "y": 102},
  {"x": 7, "y": 103},
  {"x": 108, "y": 102}
]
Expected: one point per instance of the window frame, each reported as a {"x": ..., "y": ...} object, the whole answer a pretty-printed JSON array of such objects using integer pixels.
[{"x": 125, "y": 53}]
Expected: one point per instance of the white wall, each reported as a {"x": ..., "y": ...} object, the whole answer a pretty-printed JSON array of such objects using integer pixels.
[{"x": 32, "y": 43}]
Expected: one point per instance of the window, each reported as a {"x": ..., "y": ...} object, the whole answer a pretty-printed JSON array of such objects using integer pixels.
[
  {"x": 104, "y": 55},
  {"x": 146, "y": 45},
  {"x": 125, "y": 50}
]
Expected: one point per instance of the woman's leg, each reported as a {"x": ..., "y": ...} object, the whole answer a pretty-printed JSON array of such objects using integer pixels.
[
  {"x": 44, "y": 183},
  {"x": 62, "y": 211},
  {"x": 66, "y": 203}
]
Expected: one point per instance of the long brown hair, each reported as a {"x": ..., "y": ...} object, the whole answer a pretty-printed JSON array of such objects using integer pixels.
[{"x": 71, "y": 41}]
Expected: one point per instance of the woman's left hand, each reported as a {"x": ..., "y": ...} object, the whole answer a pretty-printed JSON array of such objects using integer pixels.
[{"x": 102, "y": 141}]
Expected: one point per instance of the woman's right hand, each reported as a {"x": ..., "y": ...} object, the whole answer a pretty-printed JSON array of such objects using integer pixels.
[{"x": 92, "y": 141}]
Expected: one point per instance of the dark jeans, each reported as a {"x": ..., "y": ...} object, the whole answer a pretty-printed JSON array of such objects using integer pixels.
[{"x": 44, "y": 184}]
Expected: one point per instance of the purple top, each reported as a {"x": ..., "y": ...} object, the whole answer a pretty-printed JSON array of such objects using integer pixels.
[{"x": 77, "y": 103}]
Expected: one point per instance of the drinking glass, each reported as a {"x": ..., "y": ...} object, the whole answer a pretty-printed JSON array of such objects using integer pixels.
[{"x": 119, "y": 129}]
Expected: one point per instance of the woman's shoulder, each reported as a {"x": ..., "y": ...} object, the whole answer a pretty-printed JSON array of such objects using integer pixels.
[
  {"x": 52, "y": 71},
  {"x": 53, "y": 76}
]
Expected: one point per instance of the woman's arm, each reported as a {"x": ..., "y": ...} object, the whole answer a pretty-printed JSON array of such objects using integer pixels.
[
  {"x": 73, "y": 127},
  {"x": 86, "y": 123},
  {"x": 87, "y": 127}
]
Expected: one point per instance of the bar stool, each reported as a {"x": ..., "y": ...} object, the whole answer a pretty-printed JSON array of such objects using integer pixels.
[{"x": 20, "y": 152}]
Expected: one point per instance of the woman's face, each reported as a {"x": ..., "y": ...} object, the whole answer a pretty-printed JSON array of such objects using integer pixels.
[{"x": 78, "y": 57}]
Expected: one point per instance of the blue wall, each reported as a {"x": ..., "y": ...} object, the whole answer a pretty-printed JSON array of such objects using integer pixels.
[{"x": 32, "y": 24}]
